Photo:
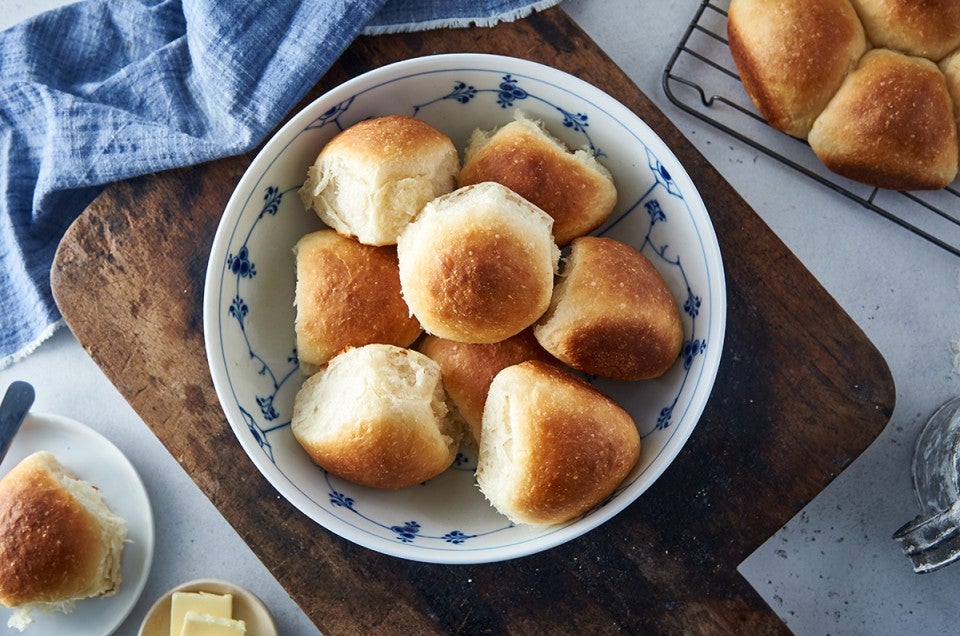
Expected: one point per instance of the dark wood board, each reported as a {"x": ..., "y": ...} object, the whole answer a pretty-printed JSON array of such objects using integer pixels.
[{"x": 800, "y": 393}]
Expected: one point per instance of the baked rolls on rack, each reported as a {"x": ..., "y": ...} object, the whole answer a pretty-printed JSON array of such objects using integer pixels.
[{"x": 859, "y": 80}]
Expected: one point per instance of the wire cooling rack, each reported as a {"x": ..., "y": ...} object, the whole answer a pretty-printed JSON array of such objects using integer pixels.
[{"x": 702, "y": 79}]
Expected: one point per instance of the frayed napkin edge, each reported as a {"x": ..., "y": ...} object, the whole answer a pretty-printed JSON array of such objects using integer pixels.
[
  {"x": 461, "y": 23},
  {"x": 31, "y": 347}
]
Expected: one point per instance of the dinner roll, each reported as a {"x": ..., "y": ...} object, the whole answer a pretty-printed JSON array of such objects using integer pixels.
[
  {"x": 468, "y": 370},
  {"x": 792, "y": 55},
  {"x": 612, "y": 313},
  {"x": 572, "y": 187},
  {"x": 376, "y": 416},
  {"x": 930, "y": 28},
  {"x": 59, "y": 541},
  {"x": 478, "y": 264},
  {"x": 347, "y": 295},
  {"x": 553, "y": 447},
  {"x": 373, "y": 178},
  {"x": 950, "y": 66},
  {"x": 890, "y": 125}
]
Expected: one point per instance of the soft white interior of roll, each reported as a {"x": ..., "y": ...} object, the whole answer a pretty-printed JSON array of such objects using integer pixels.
[
  {"x": 560, "y": 313},
  {"x": 113, "y": 529},
  {"x": 343, "y": 196},
  {"x": 498, "y": 464},
  {"x": 373, "y": 200}
]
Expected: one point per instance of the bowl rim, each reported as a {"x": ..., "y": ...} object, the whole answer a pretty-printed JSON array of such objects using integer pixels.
[{"x": 272, "y": 151}]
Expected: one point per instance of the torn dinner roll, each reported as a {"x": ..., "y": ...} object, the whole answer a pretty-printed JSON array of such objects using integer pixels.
[
  {"x": 374, "y": 177},
  {"x": 573, "y": 187},
  {"x": 553, "y": 446},
  {"x": 59, "y": 541},
  {"x": 377, "y": 416},
  {"x": 478, "y": 264},
  {"x": 612, "y": 313}
]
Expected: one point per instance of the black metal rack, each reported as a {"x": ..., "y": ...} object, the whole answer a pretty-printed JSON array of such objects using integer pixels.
[{"x": 701, "y": 79}]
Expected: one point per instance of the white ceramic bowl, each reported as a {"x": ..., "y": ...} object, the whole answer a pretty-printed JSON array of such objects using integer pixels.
[{"x": 249, "y": 313}]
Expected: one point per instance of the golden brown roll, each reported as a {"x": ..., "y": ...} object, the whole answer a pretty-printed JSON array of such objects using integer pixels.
[
  {"x": 373, "y": 178},
  {"x": 553, "y": 447},
  {"x": 890, "y": 125},
  {"x": 572, "y": 187},
  {"x": 929, "y": 29},
  {"x": 376, "y": 416},
  {"x": 478, "y": 264},
  {"x": 468, "y": 370},
  {"x": 611, "y": 314},
  {"x": 59, "y": 541},
  {"x": 347, "y": 295},
  {"x": 792, "y": 55}
]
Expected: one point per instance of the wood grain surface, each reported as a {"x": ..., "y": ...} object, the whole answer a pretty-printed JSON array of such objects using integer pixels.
[{"x": 800, "y": 393}]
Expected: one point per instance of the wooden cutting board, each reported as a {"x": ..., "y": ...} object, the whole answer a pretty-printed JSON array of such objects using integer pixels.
[{"x": 800, "y": 393}]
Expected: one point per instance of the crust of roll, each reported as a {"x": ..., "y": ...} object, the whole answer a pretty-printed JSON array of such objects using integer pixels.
[
  {"x": 553, "y": 447},
  {"x": 59, "y": 542},
  {"x": 890, "y": 125},
  {"x": 792, "y": 56},
  {"x": 347, "y": 295},
  {"x": 376, "y": 416},
  {"x": 571, "y": 186},
  {"x": 478, "y": 264},
  {"x": 612, "y": 314}
]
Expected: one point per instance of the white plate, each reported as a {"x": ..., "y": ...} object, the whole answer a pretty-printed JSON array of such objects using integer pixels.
[
  {"x": 92, "y": 458},
  {"x": 249, "y": 314}
]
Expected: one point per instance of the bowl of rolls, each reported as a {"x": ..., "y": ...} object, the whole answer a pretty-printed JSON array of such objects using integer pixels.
[{"x": 464, "y": 308}]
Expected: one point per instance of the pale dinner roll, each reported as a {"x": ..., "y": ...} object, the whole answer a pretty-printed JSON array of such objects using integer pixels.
[
  {"x": 571, "y": 186},
  {"x": 553, "y": 447},
  {"x": 890, "y": 125},
  {"x": 373, "y": 178},
  {"x": 950, "y": 66},
  {"x": 59, "y": 541},
  {"x": 478, "y": 264},
  {"x": 468, "y": 370},
  {"x": 347, "y": 295},
  {"x": 376, "y": 416},
  {"x": 792, "y": 55},
  {"x": 612, "y": 313},
  {"x": 928, "y": 28}
]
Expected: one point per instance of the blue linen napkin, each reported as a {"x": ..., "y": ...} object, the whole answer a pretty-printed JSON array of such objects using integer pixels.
[{"x": 104, "y": 90}]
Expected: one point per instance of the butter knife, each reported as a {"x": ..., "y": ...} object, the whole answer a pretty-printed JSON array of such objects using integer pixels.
[{"x": 16, "y": 403}]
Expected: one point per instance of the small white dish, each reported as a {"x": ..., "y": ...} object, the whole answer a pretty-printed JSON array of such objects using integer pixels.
[
  {"x": 92, "y": 458},
  {"x": 249, "y": 288},
  {"x": 246, "y": 607}
]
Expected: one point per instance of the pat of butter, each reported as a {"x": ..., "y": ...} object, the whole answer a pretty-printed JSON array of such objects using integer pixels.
[
  {"x": 196, "y": 624},
  {"x": 218, "y": 605}
]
